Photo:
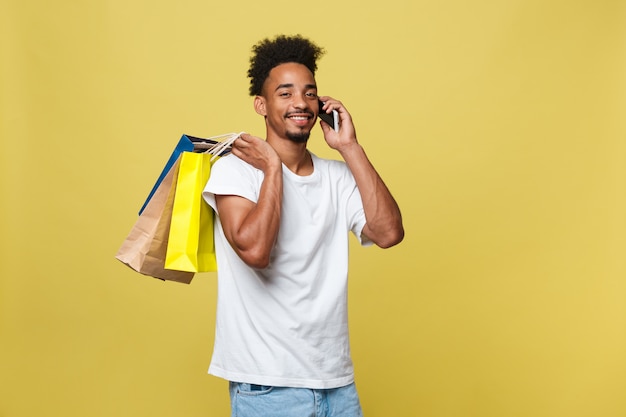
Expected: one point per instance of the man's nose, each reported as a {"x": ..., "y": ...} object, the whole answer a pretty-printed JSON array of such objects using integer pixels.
[{"x": 300, "y": 101}]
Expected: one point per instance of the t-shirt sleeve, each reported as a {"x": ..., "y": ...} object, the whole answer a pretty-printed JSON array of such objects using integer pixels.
[
  {"x": 354, "y": 209},
  {"x": 231, "y": 176},
  {"x": 357, "y": 217}
]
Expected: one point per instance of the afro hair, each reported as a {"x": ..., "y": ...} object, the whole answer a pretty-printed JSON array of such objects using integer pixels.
[{"x": 268, "y": 54}]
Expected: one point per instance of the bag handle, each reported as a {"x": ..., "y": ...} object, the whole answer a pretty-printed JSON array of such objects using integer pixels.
[
  {"x": 217, "y": 149},
  {"x": 217, "y": 145}
]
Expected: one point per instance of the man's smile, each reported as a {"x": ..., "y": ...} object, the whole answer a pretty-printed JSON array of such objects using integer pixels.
[
  {"x": 300, "y": 115},
  {"x": 300, "y": 118}
]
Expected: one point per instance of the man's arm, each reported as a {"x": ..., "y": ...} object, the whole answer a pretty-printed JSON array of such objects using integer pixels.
[
  {"x": 252, "y": 228},
  {"x": 382, "y": 214}
]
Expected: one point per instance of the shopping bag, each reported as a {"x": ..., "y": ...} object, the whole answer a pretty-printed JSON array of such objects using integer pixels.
[
  {"x": 188, "y": 143},
  {"x": 145, "y": 247},
  {"x": 184, "y": 145},
  {"x": 190, "y": 245}
]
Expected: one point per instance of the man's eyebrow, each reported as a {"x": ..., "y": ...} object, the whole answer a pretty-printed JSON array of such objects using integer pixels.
[
  {"x": 283, "y": 86},
  {"x": 289, "y": 85}
]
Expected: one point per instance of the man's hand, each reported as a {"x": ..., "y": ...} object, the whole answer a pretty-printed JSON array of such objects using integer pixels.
[
  {"x": 346, "y": 136},
  {"x": 256, "y": 152}
]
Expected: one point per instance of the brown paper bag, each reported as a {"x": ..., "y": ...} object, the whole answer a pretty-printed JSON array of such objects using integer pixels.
[{"x": 145, "y": 247}]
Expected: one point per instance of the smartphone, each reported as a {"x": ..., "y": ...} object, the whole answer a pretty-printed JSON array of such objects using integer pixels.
[{"x": 332, "y": 119}]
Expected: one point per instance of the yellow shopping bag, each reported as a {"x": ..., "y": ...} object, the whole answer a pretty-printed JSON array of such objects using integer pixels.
[{"x": 190, "y": 246}]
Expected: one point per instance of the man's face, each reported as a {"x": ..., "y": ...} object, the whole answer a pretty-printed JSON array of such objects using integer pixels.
[{"x": 290, "y": 102}]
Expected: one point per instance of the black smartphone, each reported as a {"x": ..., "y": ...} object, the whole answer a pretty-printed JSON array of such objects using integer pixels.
[{"x": 331, "y": 118}]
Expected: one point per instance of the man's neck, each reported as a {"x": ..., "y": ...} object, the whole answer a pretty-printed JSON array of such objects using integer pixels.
[{"x": 294, "y": 156}]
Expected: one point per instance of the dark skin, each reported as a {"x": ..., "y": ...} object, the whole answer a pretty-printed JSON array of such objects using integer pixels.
[{"x": 290, "y": 108}]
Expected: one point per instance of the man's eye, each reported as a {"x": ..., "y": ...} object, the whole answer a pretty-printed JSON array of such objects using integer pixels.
[{"x": 284, "y": 94}]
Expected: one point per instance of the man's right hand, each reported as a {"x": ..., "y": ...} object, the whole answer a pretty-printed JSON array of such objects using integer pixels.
[{"x": 256, "y": 152}]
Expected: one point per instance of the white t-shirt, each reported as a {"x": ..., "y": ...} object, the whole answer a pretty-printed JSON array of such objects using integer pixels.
[{"x": 287, "y": 324}]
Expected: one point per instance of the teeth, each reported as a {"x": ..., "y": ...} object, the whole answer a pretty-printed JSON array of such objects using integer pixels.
[{"x": 299, "y": 117}]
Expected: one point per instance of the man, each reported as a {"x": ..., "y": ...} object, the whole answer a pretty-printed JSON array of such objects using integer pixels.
[{"x": 281, "y": 236}]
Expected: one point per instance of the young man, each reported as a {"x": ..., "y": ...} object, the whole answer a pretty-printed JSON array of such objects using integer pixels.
[{"x": 281, "y": 236}]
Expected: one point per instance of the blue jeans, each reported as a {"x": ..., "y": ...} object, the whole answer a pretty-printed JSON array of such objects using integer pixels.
[{"x": 249, "y": 400}]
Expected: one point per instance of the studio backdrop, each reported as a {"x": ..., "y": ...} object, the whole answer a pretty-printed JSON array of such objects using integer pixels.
[{"x": 499, "y": 126}]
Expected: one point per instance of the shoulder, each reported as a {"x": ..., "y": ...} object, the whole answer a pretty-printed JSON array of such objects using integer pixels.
[
  {"x": 230, "y": 175},
  {"x": 232, "y": 164},
  {"x": 329, "y": 164},
  {"x": 331, "y": 167},
  {"x": 228, "y": 161}
]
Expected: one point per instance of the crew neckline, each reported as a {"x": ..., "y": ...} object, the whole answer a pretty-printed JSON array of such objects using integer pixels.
[{"x": 312, "y": 175}]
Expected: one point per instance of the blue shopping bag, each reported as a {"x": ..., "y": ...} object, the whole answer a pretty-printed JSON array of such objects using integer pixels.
[
  {"x": 189, "y": 143},
  {"x": 184, "y": 145}
]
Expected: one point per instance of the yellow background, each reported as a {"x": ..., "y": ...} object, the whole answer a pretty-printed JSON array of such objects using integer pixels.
[{"x": 498, "y": 125}]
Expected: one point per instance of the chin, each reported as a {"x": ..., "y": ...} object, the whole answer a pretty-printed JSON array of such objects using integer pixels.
[{"x": 298, "y": 137}]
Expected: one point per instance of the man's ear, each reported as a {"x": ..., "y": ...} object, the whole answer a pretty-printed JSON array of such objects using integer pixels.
[{"x": 259, "y": 105}]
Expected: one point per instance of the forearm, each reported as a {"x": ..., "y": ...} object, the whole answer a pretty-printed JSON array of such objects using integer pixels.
[{"x": 382, "y": 214}]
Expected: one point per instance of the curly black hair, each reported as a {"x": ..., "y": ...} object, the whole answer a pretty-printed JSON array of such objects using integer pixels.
[{"x": 268, "y": 54}]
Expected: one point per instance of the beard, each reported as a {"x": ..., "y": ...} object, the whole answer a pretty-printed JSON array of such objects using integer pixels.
[{"x": 298, "y": 137}]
